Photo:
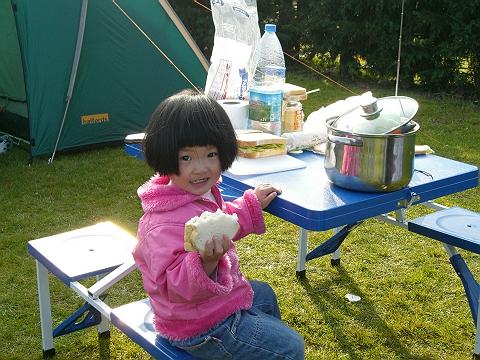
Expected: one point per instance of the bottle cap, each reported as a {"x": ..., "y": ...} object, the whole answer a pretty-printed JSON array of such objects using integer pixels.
[{"x": 270, "y": 27}]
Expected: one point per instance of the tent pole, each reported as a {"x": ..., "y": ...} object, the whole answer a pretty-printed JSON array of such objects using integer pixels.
[
  {"x": 73, "y": 74},
  {"x": 399, "y": 50}
]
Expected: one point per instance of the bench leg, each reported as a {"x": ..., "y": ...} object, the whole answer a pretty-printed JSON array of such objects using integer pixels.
[
  {"x": 45, "y": 310},
  {"x": 472, "y": 292},
  {"x": 104, "y": 326},
  {"x": 472, "y": 289},
  {"x": 476, "y": 351}
]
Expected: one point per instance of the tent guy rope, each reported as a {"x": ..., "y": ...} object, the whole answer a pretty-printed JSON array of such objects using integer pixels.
[
  {"x": 201, "y": 5},
  {"x": 319, "y": 73},
  {"x": 155, "y": 45}
]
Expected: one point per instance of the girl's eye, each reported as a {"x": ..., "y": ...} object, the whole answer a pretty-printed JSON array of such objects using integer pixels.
[
  {"x": 213, "y": 154},
  {"x": 186, "y": 157}
]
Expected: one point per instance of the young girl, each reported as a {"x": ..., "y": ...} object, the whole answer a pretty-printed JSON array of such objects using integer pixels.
[{"x": 201, "y": 301}]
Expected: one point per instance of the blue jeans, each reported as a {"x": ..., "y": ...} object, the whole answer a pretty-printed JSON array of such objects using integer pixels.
[{"x": 256, "y": 333}]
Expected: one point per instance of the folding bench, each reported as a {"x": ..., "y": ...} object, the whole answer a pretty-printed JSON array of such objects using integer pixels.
[
  {"x": 103, "y": 251},
  {"x": 456, "y": 227},
  {"x": 136, "y": 321}
]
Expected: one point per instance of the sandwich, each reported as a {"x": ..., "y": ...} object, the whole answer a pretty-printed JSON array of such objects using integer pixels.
[
  {"x": 200, "y": 229},
  {"x": 260, "y": 144}
]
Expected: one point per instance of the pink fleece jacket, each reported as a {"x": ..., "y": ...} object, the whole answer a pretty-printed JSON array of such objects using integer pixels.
[{"x": 185, "y": 301}]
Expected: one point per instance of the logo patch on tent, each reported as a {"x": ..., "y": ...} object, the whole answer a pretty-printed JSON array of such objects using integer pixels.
[{"x": 94, "y": 119}]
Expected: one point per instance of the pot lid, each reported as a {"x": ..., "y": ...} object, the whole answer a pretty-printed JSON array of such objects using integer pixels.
[{"x": 378, "y": 116}]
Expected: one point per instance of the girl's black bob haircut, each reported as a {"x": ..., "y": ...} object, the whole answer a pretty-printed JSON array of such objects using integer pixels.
[{"x": 183, "y": 120}]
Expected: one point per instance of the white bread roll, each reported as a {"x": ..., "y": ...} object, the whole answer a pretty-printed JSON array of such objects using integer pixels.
[{"x": 201, "y": 228}]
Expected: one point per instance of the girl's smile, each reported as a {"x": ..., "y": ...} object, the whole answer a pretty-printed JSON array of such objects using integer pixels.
[{"x": 199, "y": 169}]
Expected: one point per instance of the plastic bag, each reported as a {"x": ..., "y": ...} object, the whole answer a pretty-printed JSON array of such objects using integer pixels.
[
  {"x": 236, "y": 36},
  {"x": 316, "y": 121}
]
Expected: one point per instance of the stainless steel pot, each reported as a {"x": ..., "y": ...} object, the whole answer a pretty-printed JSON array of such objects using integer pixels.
[{"x": 370, "y": 162}]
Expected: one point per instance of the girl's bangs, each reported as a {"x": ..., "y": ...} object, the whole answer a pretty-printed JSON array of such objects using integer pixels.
[{"x": 198, "y": 130}]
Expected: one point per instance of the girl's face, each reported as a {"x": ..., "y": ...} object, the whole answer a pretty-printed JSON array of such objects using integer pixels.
[{"x": 199, "y": 169}]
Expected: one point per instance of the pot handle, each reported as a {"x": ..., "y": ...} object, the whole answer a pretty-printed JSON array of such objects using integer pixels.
[{"x": 345, "y": 140}]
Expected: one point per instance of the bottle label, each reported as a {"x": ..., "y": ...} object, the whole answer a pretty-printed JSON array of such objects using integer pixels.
[
  {"x": 218, "y": 88},
  {"x": 292, "y": 119},
  {"x": 274, "y": 74},
  {"x": 243, "y": 84},
  {"x": 265, "y": 110}
]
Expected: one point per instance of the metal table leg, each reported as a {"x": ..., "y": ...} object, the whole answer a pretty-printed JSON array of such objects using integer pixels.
[
  {"x": 335, "y": 259},
  {"x": 302, "y": 252}
]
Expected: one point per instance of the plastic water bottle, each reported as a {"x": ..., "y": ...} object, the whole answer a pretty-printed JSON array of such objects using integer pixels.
[
  {"x": 265, "y": 95},
  {"x": 269, "y": 60}
]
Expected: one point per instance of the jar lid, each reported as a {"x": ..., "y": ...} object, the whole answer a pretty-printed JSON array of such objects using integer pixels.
[{"x": 378, "y": 116}]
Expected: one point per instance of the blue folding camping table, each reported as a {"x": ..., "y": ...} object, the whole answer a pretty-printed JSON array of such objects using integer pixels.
[
  {"x": 312, "y": 202},
  {"x": 308, "y": 200}
]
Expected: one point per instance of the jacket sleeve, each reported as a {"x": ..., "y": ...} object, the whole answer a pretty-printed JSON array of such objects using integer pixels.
[
  {"x": 249, "y": 212},
  {"x": 169, "y": 271}
]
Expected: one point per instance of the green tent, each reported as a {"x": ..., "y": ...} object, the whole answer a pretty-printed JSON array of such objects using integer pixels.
[{"x": 77, "y": 72}]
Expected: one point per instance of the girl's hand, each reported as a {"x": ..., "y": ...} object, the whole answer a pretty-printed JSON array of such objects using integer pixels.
[
  {"x": 215, "y": 248},
  {"x": 266, "y": 193}
]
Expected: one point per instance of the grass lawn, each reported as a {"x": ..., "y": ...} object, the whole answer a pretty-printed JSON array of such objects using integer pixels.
[{"x": 412, "y": 303}]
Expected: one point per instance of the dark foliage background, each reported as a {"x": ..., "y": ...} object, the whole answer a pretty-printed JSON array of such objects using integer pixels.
[{"x": 354, "y": 40}]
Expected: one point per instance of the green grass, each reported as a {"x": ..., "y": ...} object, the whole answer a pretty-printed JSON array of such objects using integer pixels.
[{"x": 412, "y": 307}]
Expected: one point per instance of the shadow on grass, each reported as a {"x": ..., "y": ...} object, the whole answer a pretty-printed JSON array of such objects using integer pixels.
[
  {"x": 104, "y": 346},
  {"x": 368, "y": 317}
]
